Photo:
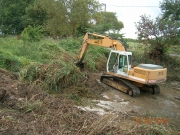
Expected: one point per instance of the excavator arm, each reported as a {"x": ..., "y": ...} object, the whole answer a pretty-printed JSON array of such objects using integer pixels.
[{"x": 104, "y": 41}]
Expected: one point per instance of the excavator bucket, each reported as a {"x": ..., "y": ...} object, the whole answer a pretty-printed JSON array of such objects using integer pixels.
[{"x": 80, "y": 64}]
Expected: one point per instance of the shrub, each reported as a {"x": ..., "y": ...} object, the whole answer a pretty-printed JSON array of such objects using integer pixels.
[{"x": 32, "y": 34}]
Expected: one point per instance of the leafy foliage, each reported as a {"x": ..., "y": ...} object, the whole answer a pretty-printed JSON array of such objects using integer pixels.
[
  {"x": 32, "y": 34},
  {"x": 106, "y": 21},
  {"x": 35, "y": 15},
  {"x": 108, "y": 18},
  {"x": 119, "y": 37},
  {"x": 79, "y": 12},
  {"x": 101, "y": 28},
  {"x": 160, "y": 36},
  {"x": 58, "y": 18},
  {"x": 11, "y": 12},
  {"x": 56, "y": 23},
  {"x": 157, "y": 34},
  {"x": 170, "y": 9},
  {"x": 61, "y": 18}
]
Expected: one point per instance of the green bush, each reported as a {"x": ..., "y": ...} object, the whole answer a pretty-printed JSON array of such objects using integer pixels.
[{"x": 32, "y": 34}]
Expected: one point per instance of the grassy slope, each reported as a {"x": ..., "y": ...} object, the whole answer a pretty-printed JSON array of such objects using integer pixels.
[
  {"x": 39, "y": 52},
  {"x": 51, "y": 61},
  {"x": 16, "y": 55}
]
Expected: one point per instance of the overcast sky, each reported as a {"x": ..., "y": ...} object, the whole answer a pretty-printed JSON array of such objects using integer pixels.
[{"x": 130, "y": 15}]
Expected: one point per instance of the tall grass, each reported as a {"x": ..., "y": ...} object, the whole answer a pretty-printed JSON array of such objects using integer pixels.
[
  {"x": 16, "y": 51},
  {"x": 51, "y": 62},
  {"x": 9, "y": 48},
  {"x": 96, "y": 58}
]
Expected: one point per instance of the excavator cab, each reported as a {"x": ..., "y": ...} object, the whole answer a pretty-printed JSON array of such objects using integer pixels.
[{"x": 119, "y": 62}]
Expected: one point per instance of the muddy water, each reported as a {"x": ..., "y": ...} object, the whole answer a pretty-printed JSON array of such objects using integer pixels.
[{"x": 163, "y": 105}]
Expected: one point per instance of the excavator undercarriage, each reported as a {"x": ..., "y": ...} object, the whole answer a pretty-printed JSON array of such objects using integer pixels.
[{"x": 128, "y": 87}]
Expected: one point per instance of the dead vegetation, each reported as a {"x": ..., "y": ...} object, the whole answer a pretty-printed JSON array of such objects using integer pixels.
[{"x": 26, "y": 109}]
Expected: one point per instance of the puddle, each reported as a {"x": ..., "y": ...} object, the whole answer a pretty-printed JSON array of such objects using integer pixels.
[
  {"x": 94, "y": 109},
  {"x": 104, "y": 107},
  {"x": 113, "y": 105},
  {"x": 174, "y": 55},
  {"x": 163, "y": 105},
  {"x": 104, "y": 96}
]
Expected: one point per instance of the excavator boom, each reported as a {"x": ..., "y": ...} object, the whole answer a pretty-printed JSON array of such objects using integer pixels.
[{"x": 104, "y": 41}]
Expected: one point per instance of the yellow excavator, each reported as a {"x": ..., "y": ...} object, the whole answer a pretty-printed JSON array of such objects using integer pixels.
[{"x": 120, "y": 73}]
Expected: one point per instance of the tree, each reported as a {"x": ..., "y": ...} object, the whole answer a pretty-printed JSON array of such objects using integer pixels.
[
  {"x": 32, "y": 34},
  {"x": 11, "y": 12},
  {"x": 61, "y": 17},
  {"x": 106, "y": 21},
  {"x": 111, "y": 19},
  {"x": 170, "y": 9},
  {"x": 163, "y": 32},
  {"x": 49, "y": 14},
  {"x": 57, "y": 23},
  {"x": 157, "y": 34},
  {"x": 35, "y": 15},
  {"x": 80, "y": 13}
]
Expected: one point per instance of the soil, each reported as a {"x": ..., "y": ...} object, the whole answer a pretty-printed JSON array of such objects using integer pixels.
[{"x": 85, "y": 108}]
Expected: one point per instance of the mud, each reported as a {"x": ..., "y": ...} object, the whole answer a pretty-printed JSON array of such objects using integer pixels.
[{"x": 165, "y": 105}]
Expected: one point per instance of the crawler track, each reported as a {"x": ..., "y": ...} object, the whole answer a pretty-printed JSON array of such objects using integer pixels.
[
  {"x": 156, "y": 89},
  {"x": 121, "y": 84}
]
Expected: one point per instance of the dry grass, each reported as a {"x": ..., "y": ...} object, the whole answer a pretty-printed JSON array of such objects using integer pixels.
[
  {"x": 26, "y": 109},
  {"x": 58, "y": 116}
]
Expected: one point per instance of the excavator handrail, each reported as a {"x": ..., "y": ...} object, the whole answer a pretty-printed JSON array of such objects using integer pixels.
[{"x": 104, "y": 41}]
